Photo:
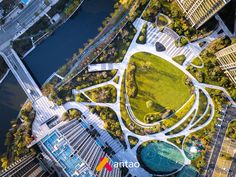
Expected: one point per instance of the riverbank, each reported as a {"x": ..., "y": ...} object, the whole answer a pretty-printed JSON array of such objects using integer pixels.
[
  {"x": 59, "y": 14},
  {"x": 51, "y": 54},
  {"x": 12, "y": 97},
  {"x": 65, "y": 42}
]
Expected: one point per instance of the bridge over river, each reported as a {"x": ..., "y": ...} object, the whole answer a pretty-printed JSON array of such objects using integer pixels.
[{"x": 12, "y": 29}]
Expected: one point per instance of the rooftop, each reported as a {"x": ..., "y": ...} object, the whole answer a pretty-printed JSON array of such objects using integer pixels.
[
  {"x": 77, "y": 149},
  {"x": 65, "y": 155}
]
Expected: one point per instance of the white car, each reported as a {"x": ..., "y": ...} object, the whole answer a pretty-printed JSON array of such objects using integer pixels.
[{"x": 29, "y": 91}]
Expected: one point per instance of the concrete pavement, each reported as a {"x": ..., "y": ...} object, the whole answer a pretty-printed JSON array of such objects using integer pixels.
[{"x": 232, "y": 170}]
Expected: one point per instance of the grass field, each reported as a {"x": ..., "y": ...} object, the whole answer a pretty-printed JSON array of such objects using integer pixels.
[
  {"x": 197, "y": 61},
  {"x": 159, "y": 81}
]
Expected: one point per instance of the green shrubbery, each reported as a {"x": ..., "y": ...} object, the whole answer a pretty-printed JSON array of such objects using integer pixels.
[
  {"x": 19, "y": 136},
  {"x": 105, "y": 94},
  {"x": 231, "y": 131},
  {"x": 157, "y": 116},
  {"x": 142, "y": 35},
  {"x": 110, "y": 119},
  {"x": 197, "y": 61},
  {"x": 183, "y": 41},
  {"x": 179, "y": 22},
  {"x": 72, "y": 7},
  {"x": 162, "y": 21},
  {"x": 116, "y": 50},
  {"x": 132, "y": 141},
  {"x": 211, "y": 73},
  {"x": 132, "y": 89}
]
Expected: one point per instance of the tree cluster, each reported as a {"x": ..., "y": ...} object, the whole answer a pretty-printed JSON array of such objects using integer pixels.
[{"x": 132, "y": 88}]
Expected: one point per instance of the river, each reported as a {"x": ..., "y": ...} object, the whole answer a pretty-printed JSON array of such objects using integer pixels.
[{"x": 51, "y": 55}]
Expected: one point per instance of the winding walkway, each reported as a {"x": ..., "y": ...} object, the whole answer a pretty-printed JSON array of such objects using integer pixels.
[{"x": 130, "y": 153}]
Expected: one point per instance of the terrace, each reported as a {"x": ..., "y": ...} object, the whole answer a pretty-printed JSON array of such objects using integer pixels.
[{"x": 64, "y": 154}]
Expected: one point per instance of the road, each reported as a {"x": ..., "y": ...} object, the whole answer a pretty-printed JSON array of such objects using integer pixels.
[
  {"x": 11, "y": 30},
  {"x": 22, "y": 22},
  {"x": 230, "y": 115}
]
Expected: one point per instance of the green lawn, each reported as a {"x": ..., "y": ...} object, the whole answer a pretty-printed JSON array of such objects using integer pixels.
[
  {"x": 179, "y": 59},
  {"x": 197, "y": 61},
  {"x": 159, "y": 81}
]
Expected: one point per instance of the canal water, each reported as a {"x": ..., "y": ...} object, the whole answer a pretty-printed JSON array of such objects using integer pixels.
[
  {"x": 54, "y": 51},
  {"x": 11, "y": 99},
  {"x": 51, "y": 55}
]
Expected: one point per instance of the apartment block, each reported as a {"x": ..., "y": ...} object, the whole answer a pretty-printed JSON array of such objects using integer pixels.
[
  {"x": 199, "y": 11},
  {"x": 28, "y": 166},
  {"x": 227, "y": 59},
  {"x": 76, "y": 148}
]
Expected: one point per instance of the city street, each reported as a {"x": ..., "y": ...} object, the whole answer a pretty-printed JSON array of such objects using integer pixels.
[
  {"x": 22, "y": 22},
  {"x": 230, "y": 115}
]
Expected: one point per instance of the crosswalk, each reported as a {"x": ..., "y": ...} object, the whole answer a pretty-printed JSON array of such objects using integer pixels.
[{"x": 168, "y": 38}]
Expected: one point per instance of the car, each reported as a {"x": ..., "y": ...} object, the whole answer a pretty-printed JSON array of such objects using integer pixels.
[{"x": 29, "y": 91}]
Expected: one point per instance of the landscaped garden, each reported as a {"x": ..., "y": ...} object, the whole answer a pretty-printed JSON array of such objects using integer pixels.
[
  {"x": 193, "y": 148},
  {"x": 142, "y": 35},
  {"x": 211, "y": 72},
  {"x": 117, "y": 49},
  {"x": 157, "y": 91},
  {"x": 110, "y": 119},
  {"x": 197, "y": 62},
  {"x": 178, "y": 21},
  {"x": 179, "y": 59},
  {"x": 159, "y": 84},
  {"x": 105, "y": 94}
]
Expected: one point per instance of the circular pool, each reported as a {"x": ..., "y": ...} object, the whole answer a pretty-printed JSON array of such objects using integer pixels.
[{"x": 161, "y": 158}]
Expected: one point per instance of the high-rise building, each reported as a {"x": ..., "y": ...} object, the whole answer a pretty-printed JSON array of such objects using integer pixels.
[
  {"x": 76, "y": 148},
  {"x": 227, "y": 59},
  {"x": 199, "y": 11},
  {"x": 27, "y": 166}
]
